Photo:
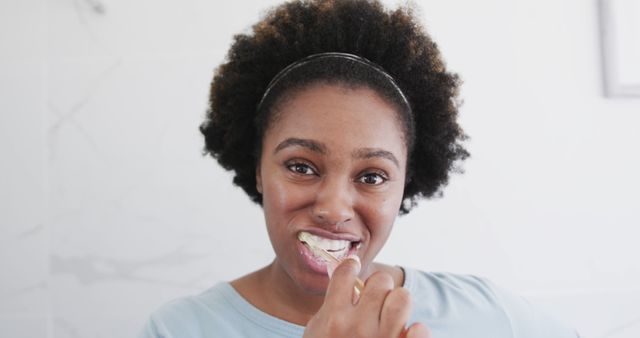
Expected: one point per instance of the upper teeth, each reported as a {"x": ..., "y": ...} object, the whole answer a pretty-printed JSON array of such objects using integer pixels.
[{"x": 324, "y": 243}]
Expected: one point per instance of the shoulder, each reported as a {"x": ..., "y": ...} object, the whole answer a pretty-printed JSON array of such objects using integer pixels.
[
  {"x": 219, "y": 312},
  {"x": 448, "y": 300},
  {"x": 445, "y": 294},
  {"x": 190, "y": 316}
]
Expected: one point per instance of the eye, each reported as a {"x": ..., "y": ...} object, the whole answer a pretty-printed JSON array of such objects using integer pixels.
[
  {"x": 301, "y": 168},
  {"x": 373, "y": 178}
]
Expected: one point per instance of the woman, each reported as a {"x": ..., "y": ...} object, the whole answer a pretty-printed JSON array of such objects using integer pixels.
[{"x": 336, "y": 116}]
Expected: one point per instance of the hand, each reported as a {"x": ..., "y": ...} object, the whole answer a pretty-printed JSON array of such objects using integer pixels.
[{"x": 381, "y": 310}]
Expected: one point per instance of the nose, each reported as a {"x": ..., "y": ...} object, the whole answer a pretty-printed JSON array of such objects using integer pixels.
[{"x": 333, "y": 205}]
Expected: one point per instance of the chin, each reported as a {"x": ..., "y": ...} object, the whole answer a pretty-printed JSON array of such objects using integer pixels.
[{"x": 312, "y": 283}]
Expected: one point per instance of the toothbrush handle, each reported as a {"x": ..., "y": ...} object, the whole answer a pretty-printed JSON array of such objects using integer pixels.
[{"x": 358, "y": 287}]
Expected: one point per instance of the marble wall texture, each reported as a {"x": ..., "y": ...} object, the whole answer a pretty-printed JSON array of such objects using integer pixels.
[{"x": 108, "y": 209}]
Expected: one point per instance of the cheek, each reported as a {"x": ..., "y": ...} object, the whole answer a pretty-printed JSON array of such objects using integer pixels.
[
  {"x": 381, "y": 215},
  {"x": 280, "y": 196},
  {"x": 380, "y": 221}
]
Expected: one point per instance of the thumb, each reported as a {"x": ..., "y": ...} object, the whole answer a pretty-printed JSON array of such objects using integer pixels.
[
  {"x": 417, "y": 330},
  {"x": 331, "y": 265},
  {"x": 343, "y": 278}
]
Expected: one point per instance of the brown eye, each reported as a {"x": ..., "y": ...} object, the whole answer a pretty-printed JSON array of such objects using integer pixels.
[
  {"x": 372, "y": 179},
  {"x": 301, "y": 168}
]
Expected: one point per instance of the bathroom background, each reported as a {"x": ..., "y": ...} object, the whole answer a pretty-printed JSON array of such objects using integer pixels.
[{"x": 108, "y": 209}]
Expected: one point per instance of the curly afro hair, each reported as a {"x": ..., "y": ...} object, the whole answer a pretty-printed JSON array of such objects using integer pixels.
[{"x": 234, "y": 124}]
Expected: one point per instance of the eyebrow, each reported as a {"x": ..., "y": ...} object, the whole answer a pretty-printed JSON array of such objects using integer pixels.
[
  {"x": 365, "y": 153},
  {"x": 314, "y": 146},
  {"x": 320, "y": 148}
]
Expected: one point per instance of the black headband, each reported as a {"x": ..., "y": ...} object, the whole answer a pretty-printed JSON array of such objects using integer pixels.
[{"x": 339, "y": 55}]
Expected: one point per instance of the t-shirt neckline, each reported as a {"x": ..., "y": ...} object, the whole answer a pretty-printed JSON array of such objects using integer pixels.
[{"x": 275, "y": 324}]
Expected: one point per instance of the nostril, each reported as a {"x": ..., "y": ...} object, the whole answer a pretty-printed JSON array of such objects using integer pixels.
[
  {"x": 344, "y": 221},
  {"x": 326, "y": 217}
]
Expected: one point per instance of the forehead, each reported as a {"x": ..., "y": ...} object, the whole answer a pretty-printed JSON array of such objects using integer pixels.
[{"x": 339, "y": 115}]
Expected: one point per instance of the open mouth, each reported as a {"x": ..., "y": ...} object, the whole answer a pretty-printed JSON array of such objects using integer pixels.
[{"x": 338, "y": 248}]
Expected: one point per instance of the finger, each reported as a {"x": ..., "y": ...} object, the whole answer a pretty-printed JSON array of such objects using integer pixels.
[
  {"x": 395, "y": 311},
  {"x": 418, "y": 330},
  {"x": 340, "y": 289},
  {"x": 376, "y": 289}
]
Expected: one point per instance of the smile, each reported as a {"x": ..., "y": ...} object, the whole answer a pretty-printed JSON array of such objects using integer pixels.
[{"x": 339, "y": 248}]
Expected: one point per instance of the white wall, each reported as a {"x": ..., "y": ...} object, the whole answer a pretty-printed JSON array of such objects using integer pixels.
[{"x": 107, "y": 208}]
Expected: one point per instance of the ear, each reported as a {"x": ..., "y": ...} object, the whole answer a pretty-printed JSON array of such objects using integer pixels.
[{"x": 258, "y": 179}]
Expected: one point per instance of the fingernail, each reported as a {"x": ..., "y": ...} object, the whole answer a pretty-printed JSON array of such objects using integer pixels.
[
  {"x": 331, "y": 266},
  {"x": 357, "y": 259}
]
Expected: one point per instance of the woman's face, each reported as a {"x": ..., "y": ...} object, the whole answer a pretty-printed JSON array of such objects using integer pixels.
[{"x": 333, "y": 166}]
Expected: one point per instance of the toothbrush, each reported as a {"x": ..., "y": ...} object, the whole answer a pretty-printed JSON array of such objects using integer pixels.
[{"x": 329, "y": 257}]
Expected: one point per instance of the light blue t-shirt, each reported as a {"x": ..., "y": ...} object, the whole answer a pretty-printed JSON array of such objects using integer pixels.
[{"x": 452, "y": 306}]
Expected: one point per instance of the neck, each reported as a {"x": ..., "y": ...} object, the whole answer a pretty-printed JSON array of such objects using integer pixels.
[
  {"x": 297, "y": 304},
  {"x": 274, "y": 292}
]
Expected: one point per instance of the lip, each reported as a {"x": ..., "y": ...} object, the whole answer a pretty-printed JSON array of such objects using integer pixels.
[
  {"x": 332, "y": 235},
  {"x": 314, "y": 263}
]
